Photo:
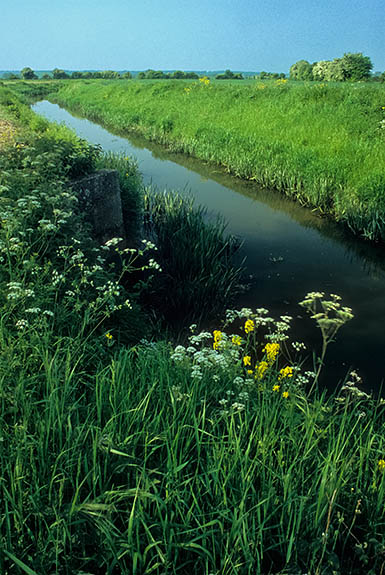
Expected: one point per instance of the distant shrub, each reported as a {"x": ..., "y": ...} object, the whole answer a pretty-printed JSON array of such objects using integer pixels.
[
  {"x": 229, "y": 75},
  {"x": 28, "y": 74}
]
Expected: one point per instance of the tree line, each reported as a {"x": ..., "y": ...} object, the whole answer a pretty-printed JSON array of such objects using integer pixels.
[
  {"x": 353, "y": 67},
  {"x": 350, "y": 68},
  {"x": 58, "y": 74}
]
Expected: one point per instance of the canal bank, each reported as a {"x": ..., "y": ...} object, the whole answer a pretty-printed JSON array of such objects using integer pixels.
[{"x": 289, "y": 250}]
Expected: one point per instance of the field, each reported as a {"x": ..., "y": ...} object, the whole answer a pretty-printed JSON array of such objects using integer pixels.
[
  {"x": 322, "y": 144},
  {"x": 127, "y": 450}
]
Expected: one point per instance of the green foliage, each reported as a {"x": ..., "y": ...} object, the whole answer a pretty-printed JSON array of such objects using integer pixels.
[
  {"x": 351, "y": 67},
  {"x": 301, "y": 70},
  {"x": 106, "y": 74},
  {"x": 10, "y": 76},
  {"x": 101, "y": 74},
  {"x": 77, "y": 75},
  {"x": 164, "y": 460},
  {"x": 229, "y": 75},
  {"x": 109, "y": 74},
  {"x": 154, "y": 75},
  {"x": 327, "y": 70},
  {"x": 322, "y": 144},
  {"x": 44, "y": 235},
  {"x": 178, "y": 75},
  {"x": 196, "y": 459},
  {"x": 30, "y": 91},
  {"x": 28, "y": 74},
  {"x": 59, "y": 74},
  {"x": 356, "y": 67},
  {"x": 199, "y": 278},
  {"x": 159, "y": 75},
  {"x": 270, "y": 76}
]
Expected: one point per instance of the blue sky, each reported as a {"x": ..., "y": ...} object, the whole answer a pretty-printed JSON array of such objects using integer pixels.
[{"x": 187, "y": 34}]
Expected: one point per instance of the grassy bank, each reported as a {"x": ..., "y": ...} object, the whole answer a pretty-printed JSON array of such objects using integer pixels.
[
  {"x": 32, "y": 89},
  {"x": 120, "y": 454},
  {"x": 321, "y": 144}
]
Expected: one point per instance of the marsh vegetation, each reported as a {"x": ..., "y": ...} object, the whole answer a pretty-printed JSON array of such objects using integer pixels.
[{"x": 124, "y": 452}]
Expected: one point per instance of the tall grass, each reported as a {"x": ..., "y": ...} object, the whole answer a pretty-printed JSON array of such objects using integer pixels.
[
  {"x": 200, "y": 278},
  {"x": 321, "y": 144},
  {"x": 138, "y": 471},
  {"x": 31, "y": 90},
  {"x": 120, "y": 457}
]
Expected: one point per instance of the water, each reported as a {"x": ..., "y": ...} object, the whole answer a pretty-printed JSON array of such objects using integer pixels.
[{"x": 313, "y": 254}]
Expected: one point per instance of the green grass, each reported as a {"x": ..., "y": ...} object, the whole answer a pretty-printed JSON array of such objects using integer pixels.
[
  {"x": 321, "y": 144},
  {"x": 135, "y": 470},
  {"x": 200, "y": 277},
  {"x": 121, "y": 455},
  {"x": 32, "y": 89}
]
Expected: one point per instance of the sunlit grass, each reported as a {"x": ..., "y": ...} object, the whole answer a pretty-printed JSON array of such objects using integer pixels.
[
  {"x": 126, "y": 455},
  {"x": 139, "y": 469},
  {"x": 322, "y": 144}
]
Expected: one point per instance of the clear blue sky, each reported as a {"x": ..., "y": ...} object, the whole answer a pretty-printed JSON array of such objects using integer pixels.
[{"x": 187, "y": 34}]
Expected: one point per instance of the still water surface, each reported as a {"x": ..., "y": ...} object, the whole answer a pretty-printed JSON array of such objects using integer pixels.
[{"x": 313, "y": 254}]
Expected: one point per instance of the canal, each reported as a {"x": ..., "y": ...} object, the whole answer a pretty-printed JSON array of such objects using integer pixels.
[{"x": 289, "y": 249}]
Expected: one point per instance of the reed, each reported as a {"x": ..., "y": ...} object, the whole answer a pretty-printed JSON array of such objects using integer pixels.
[{"x": 197, "y": 257}]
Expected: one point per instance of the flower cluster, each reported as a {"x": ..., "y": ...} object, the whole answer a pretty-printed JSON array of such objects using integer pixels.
[
  {"x": 271, "y": 350},
  {"x": 50, "y": 277},
  {"x": 204, "y": 81},
  {"x": 232, "y": 360},
  {"x": 250, "y": 368},
  {"x": 217, "y": 339},
  {"x": 328, "y": 313}
]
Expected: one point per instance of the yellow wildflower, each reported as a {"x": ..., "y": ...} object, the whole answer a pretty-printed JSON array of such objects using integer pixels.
[
  {"x": 381, "y": 464},
  {"x": 236, "y": 340},
  {"x": 286, "y": 372},
  {"x": 249, "y": 325},
  {"x": 276, "y": 387},
  {"x": 285, "y": 394},
  {"x": 260, "y": 369},
  {"x": 205, "y": 81},
  {"x": 217, "y": 338},
  {"x": 247, "y": 360},
  {"x": 271, "y": 350},
  {"x": 250, "y": 372},
  {"x": 109, "y": 336}
]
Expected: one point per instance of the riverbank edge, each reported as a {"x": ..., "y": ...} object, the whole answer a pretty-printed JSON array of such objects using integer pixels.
[{"x": 357, "y": 210}]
